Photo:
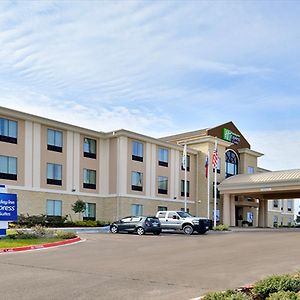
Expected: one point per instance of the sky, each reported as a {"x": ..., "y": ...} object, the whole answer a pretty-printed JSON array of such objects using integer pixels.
[{"x": 158, "y": 67}]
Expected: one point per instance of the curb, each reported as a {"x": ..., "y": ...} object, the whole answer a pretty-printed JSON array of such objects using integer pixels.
[{"x": 41, "y": 246}]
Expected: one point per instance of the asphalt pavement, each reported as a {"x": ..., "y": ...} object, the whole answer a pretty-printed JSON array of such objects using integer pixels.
[{"x": 169, "y": 266}]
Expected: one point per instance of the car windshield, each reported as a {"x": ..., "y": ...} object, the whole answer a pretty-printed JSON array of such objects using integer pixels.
[{"x": 184, "y": 214}]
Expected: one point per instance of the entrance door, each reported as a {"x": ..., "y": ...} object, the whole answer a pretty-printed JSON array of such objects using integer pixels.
[{"x": 238, "y": 216}]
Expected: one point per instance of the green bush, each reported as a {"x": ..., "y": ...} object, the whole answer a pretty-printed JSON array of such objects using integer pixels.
[
  {"x": 228, "y": 295},
  {"x": 284, "y": 296},
  {"x": 42, "y": 220},
  {"x": 65, "y": 235},
  {"x": 221, "y": 227},
  {"x": 276, "y": 283}
]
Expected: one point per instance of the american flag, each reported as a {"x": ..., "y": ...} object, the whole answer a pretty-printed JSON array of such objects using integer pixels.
[{"x": 215, "y": 159}]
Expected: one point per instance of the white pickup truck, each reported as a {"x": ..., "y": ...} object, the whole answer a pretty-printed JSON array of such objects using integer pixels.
[{"x": 179, "y": 220}]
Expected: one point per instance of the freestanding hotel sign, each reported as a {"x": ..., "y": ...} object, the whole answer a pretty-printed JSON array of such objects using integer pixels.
[{"x": 8, "y": 209}]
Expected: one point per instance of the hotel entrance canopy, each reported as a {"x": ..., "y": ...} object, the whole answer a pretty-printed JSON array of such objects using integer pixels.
[{"x": 262, "y": 186}]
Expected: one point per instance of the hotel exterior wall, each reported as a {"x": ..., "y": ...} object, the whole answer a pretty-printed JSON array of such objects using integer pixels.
[
  {"x": 113, "y": 165},
  {"x": 107, "y": 208}
]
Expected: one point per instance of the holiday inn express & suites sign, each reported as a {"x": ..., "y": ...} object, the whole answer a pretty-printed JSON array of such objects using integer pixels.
[
  {"x": 8, "y": 207},
  {"x": 229, "y": 136}
]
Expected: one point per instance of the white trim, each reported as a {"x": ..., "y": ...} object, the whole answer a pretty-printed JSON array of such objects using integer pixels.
[
  {"x": 172, "y": 174},
  {"x": 28, "y": 164},
  {"x": 153, "y": 171},
  {"x": 76, "y": 162},
  {"x": 103, "y": 154},
  {"x": 36, "y": 156},
  {"x": 70, "y": 161},
  {"x": 147, "y": 177},
  {"x": 177, "y": 174},
  {"x": 122, "y": 165}
]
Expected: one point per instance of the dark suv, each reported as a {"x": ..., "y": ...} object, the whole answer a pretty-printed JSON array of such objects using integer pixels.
[{"x": 138, "y": 224}]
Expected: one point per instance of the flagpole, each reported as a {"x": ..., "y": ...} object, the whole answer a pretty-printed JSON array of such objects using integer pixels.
[
  {"x": 185, "y": 179},
  {"x": 208, "y": 185},
  {"x": 215, "y": 190}
]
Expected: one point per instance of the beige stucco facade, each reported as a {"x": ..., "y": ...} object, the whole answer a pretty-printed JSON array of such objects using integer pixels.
[{"x": 113, "y": 163}]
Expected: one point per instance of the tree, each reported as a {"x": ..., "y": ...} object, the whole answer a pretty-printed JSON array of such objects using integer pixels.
[{"x": 78, "y": 207}]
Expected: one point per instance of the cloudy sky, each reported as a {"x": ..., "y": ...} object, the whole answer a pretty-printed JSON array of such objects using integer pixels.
[{"x": 158, "y": 67}]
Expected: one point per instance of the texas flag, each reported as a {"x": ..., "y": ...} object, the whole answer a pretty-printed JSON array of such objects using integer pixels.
[{"x": 206, "y": 166}]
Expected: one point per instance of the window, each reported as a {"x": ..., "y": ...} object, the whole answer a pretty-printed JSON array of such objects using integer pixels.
[
  {"x": 275, "y": 221},
  {"x": 137, "y": 181},
  {"x": 90, "y": 212},
  {"x": 55, "y": 142},
  {"x": 8, "y": 167},
  {"x": 290, "y": 221},
  {"x": 54, "y": 174},
  {"x": 289, "y": 205},
  {"x": 162, "y": 185},
  {"x": 163, "y": 157},
  {"x": 54, "y": 207},
  {"x": 8, "y": 131},
  {"x": 275, "y": 203},
  {"x": 89, "y": 179},
  {"x": 137, "y": 151},
  {"x": 187, "y": 188},
  {"x": 89, "y": 148},
  {"x": 188, "y": 162},
  {"x": 162, "y": 208},
  {"x": 136, "y": 209},
  {"x": 218, "y": 193},
  {"x": 162, "y": 215},
  {"x": 187, "y": 209},
  {"x": 218, "y": 166},
  {"x": 231, "y": 163},
  {"x": 250, "y": 170}
]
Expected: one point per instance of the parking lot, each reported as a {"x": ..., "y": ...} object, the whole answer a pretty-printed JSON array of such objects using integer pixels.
[{"x": 169, "y": 266}]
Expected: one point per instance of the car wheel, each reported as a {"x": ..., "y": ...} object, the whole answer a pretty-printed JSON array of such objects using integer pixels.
[
  {"x": 114, "y": 229},
  {"x": 140, "y": 231},
  {"x": 156, "y": 233},
  {"x": 188, "y": 229}
]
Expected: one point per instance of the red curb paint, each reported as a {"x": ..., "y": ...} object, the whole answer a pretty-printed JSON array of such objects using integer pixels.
[{"x": 41, "y": 246}]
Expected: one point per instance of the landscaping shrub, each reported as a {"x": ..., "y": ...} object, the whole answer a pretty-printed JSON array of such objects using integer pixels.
[
  {"x": 65, "y": 235},
  {"x": 221, "y": 227},
  {"x": 228, "y": 295},
  {"x": 276, "y": 283},
  {"x": 284, "y": 296}
]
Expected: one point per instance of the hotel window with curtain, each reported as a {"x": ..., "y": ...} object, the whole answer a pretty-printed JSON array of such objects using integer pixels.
[
  {"x": 137, "y": 151},
  {"x": 90, "y": 212},
  {"x": 8, "y": 131},
  {"x": 163, "y": 157},
  {"x": 54, "y": 174},
  {"x": 137, "y": 209},
  {"x": 137, "y": 181},
  {"x": 89, "y": 179},
  {"x": 8, "y": 167},
  {"x": 188, "y": 163},
  {"x": 54, "y": 207},
  {"x": 55, "y": 140},
  {"x": 162, "y": 185},
  {"x": 89, "y": 148},
  {"x": 187, "y": 188}
]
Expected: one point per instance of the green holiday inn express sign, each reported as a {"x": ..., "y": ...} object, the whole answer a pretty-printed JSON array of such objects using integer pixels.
[{"x": 229, "y": 136}]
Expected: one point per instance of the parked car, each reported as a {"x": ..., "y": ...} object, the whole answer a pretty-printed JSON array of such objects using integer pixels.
[
  {"x": 183, "y": 221},
  {"x": 138, "y": 224}
]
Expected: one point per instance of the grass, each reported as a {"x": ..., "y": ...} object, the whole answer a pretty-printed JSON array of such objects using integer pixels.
[{"x": 11, "y": 243}]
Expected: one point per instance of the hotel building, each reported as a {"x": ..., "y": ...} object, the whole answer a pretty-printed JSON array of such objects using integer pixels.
[{"x": 50, "y": 165}]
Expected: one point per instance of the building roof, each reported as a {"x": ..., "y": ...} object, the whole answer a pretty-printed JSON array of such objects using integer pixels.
[{"x": 262, "y": 181}]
